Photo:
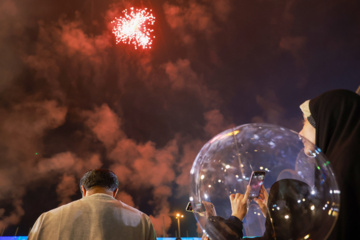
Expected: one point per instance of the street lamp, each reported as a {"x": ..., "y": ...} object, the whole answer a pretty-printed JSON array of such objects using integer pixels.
[{"x": 178, "y": 216}]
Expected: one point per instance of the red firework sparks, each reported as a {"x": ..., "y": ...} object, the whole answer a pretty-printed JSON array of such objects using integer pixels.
[{"x": 135, "y": 28}]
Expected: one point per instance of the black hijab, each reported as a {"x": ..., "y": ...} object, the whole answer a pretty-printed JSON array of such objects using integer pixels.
[
  {"x": 337, "y": 118},
  {"x": 289, "y": 198}
]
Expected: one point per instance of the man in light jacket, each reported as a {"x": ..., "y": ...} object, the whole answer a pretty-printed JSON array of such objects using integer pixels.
[{"x": 97, "y": 215}]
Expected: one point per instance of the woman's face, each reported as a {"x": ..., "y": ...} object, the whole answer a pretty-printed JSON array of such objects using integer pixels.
[{"x": 308, "y": 132}]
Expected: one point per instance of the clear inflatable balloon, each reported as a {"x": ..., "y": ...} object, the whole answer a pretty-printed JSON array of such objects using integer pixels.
[{"x": 303, "y": 195}]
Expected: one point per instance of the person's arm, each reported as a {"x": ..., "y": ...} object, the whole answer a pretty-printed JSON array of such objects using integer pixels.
[
  {"x": 239, "y": 204},
  {"x": 209, "y": 212},
  {"x": 224, "y": 229},
  {"x": 36, "y": 229},
  {"x": 236, "y": 226},
  {"x": 262, "y": 200},
  {"x": 231, "y": 228},
  {"x": 209, "y": 209},
  {"x": 151, "y": 234},
  {"x": 204, "y": 237}
]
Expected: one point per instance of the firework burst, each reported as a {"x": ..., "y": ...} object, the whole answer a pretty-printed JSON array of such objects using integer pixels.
[{"x": 135, "y": 27}]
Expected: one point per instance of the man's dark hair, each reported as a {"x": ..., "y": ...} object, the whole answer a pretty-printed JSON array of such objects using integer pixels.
[{"x": 99, "y": 178}]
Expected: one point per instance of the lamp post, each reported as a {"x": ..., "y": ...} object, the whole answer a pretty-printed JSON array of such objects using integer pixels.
[{"x": 178, "y": 216}]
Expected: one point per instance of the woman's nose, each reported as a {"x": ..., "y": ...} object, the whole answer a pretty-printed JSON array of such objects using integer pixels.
[{"x": 300, "y": 134}]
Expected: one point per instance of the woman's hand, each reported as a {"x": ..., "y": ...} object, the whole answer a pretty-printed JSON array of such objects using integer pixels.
[
  {"x": 262, "y": 200},
  {"x": 204, "y": 237},
  {"x": 209, "y": 209},
  {"x": 239, "y": 204}
]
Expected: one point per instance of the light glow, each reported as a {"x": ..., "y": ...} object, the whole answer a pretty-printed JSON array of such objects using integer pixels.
[{"x": 135, "y": 27}]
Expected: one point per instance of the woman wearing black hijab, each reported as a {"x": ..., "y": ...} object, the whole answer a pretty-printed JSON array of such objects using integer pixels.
[{"x": 332, "y": 122}]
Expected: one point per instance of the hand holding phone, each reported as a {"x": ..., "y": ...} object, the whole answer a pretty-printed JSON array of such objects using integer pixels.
[
  {"x": 262, "y": 200},
  {"x": 256, "y": 181},
  {"x": 206, "y": 209}
]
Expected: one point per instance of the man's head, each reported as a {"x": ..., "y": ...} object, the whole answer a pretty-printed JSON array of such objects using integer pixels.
[{"x": 99, "y": 181}]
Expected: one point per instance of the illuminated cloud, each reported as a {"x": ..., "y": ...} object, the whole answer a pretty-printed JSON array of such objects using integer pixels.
[
  {"x": 183, "y": 78},
  {"x": 193, "y": 17},
  {"x": 66, "y": 188},
  {"x": 21, "y": 139},
  {"x": 215, "y": 122}
]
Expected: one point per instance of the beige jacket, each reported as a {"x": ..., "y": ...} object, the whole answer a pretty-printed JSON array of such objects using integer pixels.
[{"x": 95, "y": 217}]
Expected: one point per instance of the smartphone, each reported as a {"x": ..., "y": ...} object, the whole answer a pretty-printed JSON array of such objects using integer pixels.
[
  {"x": 189, "y": 208},
  {"x": 256, "y": 181}
]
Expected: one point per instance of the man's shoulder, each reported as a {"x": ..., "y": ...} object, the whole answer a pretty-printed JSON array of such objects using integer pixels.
[
  {"x": 83, "y": 203},
  {"x": 65, "y": 206},
  {"x": 130, "y": 208}
]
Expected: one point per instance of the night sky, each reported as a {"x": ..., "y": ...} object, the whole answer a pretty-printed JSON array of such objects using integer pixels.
[{"x": 71, "y": 99}]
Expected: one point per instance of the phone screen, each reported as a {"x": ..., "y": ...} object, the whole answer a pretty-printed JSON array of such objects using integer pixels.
[
  {"x": 256, "y": 181},
  {"x": 189, "y": 208}
]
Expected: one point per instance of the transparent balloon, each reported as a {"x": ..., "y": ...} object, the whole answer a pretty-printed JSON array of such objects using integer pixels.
[{"x": 303, "y": 195}]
